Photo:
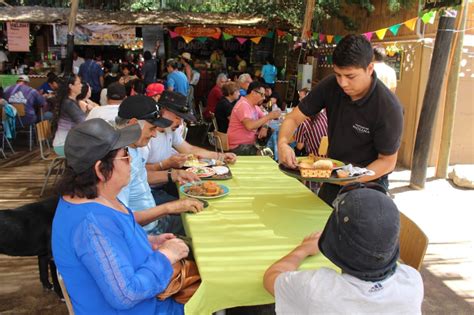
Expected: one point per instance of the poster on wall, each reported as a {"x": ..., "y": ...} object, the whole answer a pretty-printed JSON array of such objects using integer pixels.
[
  {"x": 18, "y": 35},
  {"x": 92, "y": 34}
]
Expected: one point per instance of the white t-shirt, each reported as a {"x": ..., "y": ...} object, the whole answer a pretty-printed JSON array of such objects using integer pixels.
[
  {"x": 324, "y": 291},
  {"x": 386, "y": 74},
  {"x": 103, "y": 97},
  {"x": 107, "y": 113},
  {"x": 76, "y": 64},
  {"x": 161, "y": 147}
]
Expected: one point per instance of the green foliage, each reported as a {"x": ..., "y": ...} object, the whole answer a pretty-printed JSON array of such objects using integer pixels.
[{"x": 291, "y": 11}]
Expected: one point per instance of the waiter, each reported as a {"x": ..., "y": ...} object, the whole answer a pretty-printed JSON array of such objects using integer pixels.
[{"x": 365, "y": 119}]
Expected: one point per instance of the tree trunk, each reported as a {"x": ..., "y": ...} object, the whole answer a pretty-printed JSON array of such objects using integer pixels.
[
  {"x": 70, "y": 36},
  {"x": 430, "y": 106}
]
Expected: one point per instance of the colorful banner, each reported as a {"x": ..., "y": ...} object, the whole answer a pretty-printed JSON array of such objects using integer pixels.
[
  {"x": 381, "y": 33},
  {"x": 256, "y": 40},
  {"x": 411, "y": 24},
  {"x": 95, "y": 34},
  {"x": 246, "y": 31},
  {"x": 202, "y": 39},
  {"x": 18, "y": 35},
  {"x": 281, "y": 33},
  {"x": 429, "y": 17},
  {"x": 329, "y": 38},
  {"x": 394, "y": 29},
  {"x": 197, "y": 31},
  {"x": 241, "y": 40},
  {"x": 270, "y": 34},
  {"x": 187, "y": 39},
  {"x": 368, "y": 35},
  {"x": 173, "y": 34}
]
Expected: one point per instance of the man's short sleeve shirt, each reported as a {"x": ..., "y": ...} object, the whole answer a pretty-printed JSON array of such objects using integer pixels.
[{"x": 359, "y": 130}]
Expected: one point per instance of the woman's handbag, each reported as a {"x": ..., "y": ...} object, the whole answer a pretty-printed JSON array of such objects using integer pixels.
[{"x": 184, "y": 282}]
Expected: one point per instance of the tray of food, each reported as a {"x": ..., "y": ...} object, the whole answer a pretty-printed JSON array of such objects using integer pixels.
[
  {"x": 204, "y": 190},
  {"x": 210, "y": 168},
  {"x": 318, "y": 169}
]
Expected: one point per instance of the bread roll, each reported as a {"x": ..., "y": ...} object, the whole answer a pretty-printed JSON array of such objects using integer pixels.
[
  {"x": 306, "y": 165},
  {"x": 323, "y": 165}
]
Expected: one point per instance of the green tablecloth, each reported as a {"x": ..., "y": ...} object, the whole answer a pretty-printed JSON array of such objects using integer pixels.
[
  {"x": 7, "y": 80},
  {"x": 240, "y": 235}
]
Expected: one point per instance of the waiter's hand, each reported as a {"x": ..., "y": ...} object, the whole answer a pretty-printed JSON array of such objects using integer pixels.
[{"x": 286, "y": 155}]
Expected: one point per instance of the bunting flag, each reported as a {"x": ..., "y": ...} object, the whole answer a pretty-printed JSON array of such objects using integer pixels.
[
  {"x": 321, "y": 37},
  {"x": 256, "y": 40},
  {"x": 411, "y": 24},
  {"x": 173, "y": 34},
  {"x": 281, "y": 33},
  {"x": 216, "y": 36},
  {"x": 241, "y": 40},
  {"x": 269, "y": 34},
  {"x": 329, "y": 38},
  {"x": 429, "y": 17},
  {"x": 381, "y": 33},
  {"x": 187, "y": 39},
  {"x": 394, "y": 29},
  {"x": 368, "y": 35},
  {"x": 315, "y": 36},
  {"x": 202, "y": 39},
  {"x": 337, "y": 39},
  {"x": 227, "y": 36}
]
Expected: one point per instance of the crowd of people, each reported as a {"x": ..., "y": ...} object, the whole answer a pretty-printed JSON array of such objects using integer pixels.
[{"x": 114, "y": 233}]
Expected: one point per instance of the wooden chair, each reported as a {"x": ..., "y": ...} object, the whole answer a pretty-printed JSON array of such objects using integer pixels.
[
  {"x": 221, "y": 142},
  {"x": 65, "y": 294},
  {"x": 323, "y": 146},
  {"x": 413, "y": 242},
  {"x": 21, "y": 112},
  {"x": 43, "y": 131}
]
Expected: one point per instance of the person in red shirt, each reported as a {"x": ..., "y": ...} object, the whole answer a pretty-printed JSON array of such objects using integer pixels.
[{"x": 214, "y": 96}]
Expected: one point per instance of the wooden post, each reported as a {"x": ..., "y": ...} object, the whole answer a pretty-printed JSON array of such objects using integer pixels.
[
  {"x": 70, "y": 36},
  {"x": 424, "y": 132},
  {"x": 451, "y": 97},
  {"x": 308, "y": 20}
]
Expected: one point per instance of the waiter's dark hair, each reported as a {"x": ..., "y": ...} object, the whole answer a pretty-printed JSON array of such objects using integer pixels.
[{"x": 353, "y": 51}]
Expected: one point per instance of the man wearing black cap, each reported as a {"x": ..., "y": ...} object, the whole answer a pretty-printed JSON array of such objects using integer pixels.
[
  {"x": 136, "y": 195},
  {"x": 362, "y": 238},
  {"x": 160, "y": 153},
  {"x": 115, "y": 95}
]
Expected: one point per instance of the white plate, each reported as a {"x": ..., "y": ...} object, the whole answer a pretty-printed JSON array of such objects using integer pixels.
[{"x": 221, "y": 170}]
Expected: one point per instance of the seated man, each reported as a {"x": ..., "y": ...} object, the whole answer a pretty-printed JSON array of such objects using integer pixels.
[
  {"x": 116, "y": 93},
  {"x": 226, "y": 104},
  {"x": 244, "y": 81},
  {"x": 248, "y": 122},
  {"x": 214, "y": 96},
  {"x": 159, "y": 152},
  {"x": 136, "y": 195},
  {"x": 362, "y": 238}
]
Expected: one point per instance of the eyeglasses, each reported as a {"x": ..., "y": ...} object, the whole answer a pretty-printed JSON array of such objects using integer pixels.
[
  {"x": 126, "y": 156},
  {"x": 262, "y": 94}
]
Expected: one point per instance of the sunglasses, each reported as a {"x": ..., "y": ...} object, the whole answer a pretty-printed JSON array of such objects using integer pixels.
[{"x": 126, "y": 156}]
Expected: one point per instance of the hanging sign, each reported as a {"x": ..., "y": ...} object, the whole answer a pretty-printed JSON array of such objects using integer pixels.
[
  {"x": 18, "y": 36},
  {"x": 95, "y": 34},
  {"x": 246, "y": 31},
  {"x": 197, "y": 31}
]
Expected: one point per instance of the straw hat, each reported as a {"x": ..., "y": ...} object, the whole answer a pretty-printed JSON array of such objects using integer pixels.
[{"x": 186, "y": 56}]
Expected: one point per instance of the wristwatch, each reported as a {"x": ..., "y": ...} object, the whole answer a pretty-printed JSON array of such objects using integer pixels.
[{"x": 170, "y": 180}]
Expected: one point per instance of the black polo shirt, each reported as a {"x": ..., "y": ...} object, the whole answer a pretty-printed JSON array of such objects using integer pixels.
[{"x": 357, "y": 130}]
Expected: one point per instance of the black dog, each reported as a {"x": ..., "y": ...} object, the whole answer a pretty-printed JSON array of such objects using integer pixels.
[{"x": 26, "y": 231}]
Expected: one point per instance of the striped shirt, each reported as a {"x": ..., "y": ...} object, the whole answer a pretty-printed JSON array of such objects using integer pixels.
[{"x": 311, "y": 131}]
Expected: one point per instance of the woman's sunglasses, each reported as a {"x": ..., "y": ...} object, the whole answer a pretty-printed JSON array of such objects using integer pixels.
[{"x": 126, "y": 156}]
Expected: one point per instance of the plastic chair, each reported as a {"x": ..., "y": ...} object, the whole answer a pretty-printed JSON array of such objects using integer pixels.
[
  {"x": 413, "y": 242},
  {"x": 22, "y": 113},
  {"x": 43, "y": 131},
  {"x": 65, "y": 294},
  {"x": 5, "y": 139}
]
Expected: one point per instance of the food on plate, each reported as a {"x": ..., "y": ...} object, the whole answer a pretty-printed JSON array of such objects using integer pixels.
[
  {"x": 311, "y": 159},
  {"x": 321, "y": 168},
  {"x": 202, "y": 171},
  {"x": 208, "y": 189},
  {"x": 342, "y": 174},
  {"x": 193, "y": 160}
]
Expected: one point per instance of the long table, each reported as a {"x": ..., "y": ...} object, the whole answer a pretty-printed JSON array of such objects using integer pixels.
[{"x": 240, "y": 235}]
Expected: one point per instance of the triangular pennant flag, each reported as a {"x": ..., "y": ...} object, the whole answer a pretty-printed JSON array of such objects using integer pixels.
[
  {"x": 227, "y": 36},
  {"x": 187, "y": 39},
  {"x": 256, "y": 40},
  {"x": 329, "y": 38},
  {"x": 429, "y": 17},
  {"x": 411, "y": 24},
  {"x": 321, "y": 38},
  {"x": 173, "y": 34},
  {"x": 337, "y": 39},
  {"x": 381, "y": 33},
  {"x": 281, "y": 33},
  {"x": 202, "y": 39},
  {"x": 394, "y": 29},
  {"x": 217, "y": 35},
  {"x": 316, "y": 35},
  {"x": 368, "y": 35},
  {"x": 269, "y": 34},
  {"x": 241, "y": 40}
]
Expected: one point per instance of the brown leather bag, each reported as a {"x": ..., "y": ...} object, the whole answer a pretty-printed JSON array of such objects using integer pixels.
[{"x": 184, "y": 282}]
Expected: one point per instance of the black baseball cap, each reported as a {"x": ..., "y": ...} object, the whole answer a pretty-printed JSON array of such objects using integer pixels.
[
  {"x": 176, "y": 103},
  {"x": 143, "y": 108},
  {"x": 116, "y": 91},
  {"x": 362, "y": 234},
  {"x": 93, "y": 139}
]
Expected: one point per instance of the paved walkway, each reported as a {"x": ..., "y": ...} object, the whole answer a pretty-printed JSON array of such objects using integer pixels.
[{"x": 445, "y": 212}]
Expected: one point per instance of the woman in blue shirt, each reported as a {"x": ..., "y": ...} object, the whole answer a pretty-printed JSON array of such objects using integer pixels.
[
  {"x": 108, "y": 263},
  {"x": 269, "y": 72}
]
